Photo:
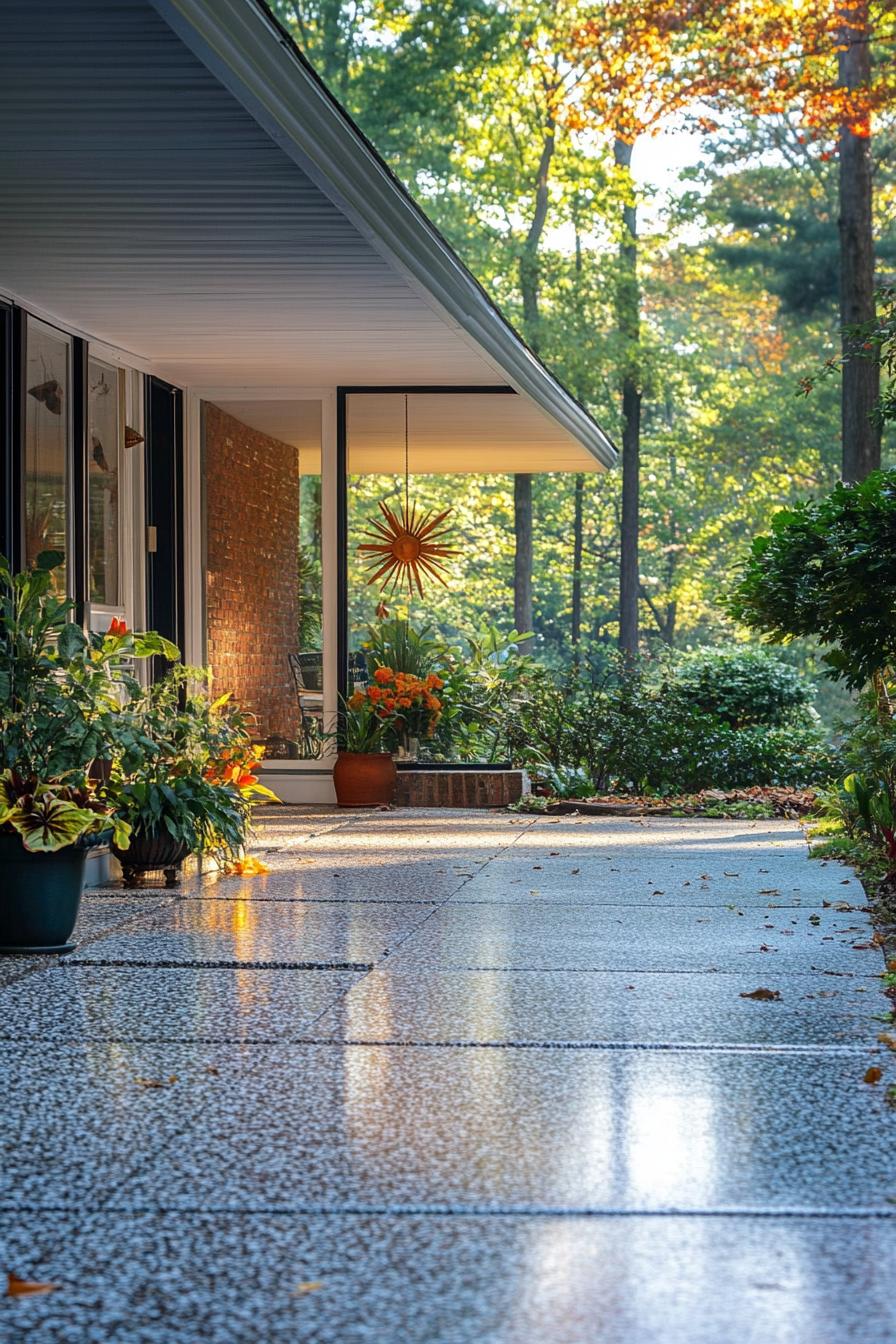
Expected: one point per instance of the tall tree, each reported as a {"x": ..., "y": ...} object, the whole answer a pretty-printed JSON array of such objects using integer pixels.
[
  {"x": 815, "y": 67},
  {"x": 530, "y": 291},
  {"x": 635, "y": 63},
  {"x": 861, "y": 378}
]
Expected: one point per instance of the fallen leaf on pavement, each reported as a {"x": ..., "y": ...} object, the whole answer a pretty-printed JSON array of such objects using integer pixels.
[
  {"x": 16, "y": 1287},
  {"x": 873, "y": 1075},
  {"x": 310, "y": 1286},
  {"x": 156, "y": 1082},
  {"x": 764, "y": 994},
  {"x": 769, "y": 891}
]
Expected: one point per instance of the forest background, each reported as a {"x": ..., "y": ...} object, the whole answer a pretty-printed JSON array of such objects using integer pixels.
[{"x": 659, "y": 219}]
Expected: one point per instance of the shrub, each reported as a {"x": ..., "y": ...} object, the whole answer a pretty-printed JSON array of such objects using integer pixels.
[
  {"x": 636, "y": 728},
  {"x": 827, "y": 570},
  {"x": 741, "y": 685}
]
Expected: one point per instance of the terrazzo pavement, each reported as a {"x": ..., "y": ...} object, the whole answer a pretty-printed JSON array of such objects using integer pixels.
[{"x": 458, "y": 1078}]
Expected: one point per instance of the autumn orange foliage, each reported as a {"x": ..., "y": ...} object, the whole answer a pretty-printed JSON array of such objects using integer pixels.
[{"x": 640, "y": 62}]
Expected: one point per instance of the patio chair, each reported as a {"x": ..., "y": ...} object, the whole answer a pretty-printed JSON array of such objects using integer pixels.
[{"x": 307, "y": 676}]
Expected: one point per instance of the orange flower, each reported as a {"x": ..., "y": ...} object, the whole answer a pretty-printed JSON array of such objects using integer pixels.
[
  {"x": 117, "y": 628},
  {"x": 405, "y": 701},
  {"x": 434, "y": 683},
  {"x": 383, "y": 674},
  {"x": 356, "y": 700}
]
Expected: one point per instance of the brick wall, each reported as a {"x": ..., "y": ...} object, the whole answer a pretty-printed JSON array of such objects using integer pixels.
[{"x": 252, "y": 541}]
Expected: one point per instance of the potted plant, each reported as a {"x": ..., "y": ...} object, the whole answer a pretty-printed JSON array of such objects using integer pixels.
[
  {"x": 415, "y": 706},
  {"x": 185, "y": 778},
  {"x": 60, "y": 689},
  {"x": 364, "y": 772}
]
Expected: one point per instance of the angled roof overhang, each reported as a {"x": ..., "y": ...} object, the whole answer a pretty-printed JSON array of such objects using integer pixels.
[
  {"x": 242, "y": 43},
  {"x": 179, "y": 185}
]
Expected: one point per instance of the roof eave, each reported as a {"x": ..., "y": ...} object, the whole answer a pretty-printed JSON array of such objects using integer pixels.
[{"x": 241, "y": 43}]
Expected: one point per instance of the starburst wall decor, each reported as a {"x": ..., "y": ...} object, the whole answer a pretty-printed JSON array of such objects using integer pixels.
[{"x": 406, "y": 548}]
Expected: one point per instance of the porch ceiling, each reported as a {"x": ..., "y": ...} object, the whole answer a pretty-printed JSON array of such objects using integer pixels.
[
  {"x": 448, "y": 432},
  {"x": 143, "y": 204}
]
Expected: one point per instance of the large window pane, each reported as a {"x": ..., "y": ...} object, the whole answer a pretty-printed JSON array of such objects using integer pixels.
[
  {"x": 47, "y": 441},
  {"x": 104, "y": 434}
]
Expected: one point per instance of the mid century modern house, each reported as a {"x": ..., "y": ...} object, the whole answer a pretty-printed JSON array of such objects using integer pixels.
[{"x": 213, "y": 297}]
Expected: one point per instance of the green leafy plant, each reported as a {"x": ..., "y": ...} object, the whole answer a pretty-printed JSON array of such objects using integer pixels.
[
  {"x": 633, "y": 727},
  {"x": 182, "y": 765},
  {"x": 364, "y": 726},
  {"x": 827, "y": 570},
  {"x": 397, "y": 644},
  {"x": 875, "y": 813},
  {"x": 740, "y": 685},
  {"x": 61, "y": 691}
]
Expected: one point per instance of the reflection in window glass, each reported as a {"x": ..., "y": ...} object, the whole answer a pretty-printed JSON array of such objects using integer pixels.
[
  {"x": 47, "y": 434},
  {"x": 103, "y": 461},
  {"x": 309, "y": 564}
]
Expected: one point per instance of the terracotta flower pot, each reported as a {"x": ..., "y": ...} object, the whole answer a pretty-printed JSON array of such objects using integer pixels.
[{"x": 364, "y": 779}]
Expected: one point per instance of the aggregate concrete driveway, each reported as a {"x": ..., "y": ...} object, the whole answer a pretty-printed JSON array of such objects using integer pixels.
[{"x": 449, "y": 1078}]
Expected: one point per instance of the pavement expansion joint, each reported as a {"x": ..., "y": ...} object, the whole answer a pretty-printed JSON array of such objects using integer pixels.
[
  {"x": 361, "y": 966},
  {"x": 303, "y": 1209}
]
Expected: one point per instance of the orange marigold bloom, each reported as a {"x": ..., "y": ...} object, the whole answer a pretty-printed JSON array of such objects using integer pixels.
[
  {"x": 356, "y": 700},
  {"x": 383, "y": 674},
  {"x": 434, "y": 683},
  {"x": 405, "y": 701}
]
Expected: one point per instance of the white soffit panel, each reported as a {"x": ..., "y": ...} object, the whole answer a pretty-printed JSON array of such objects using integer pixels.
[
  {"x": 177, "y": 184},
  {"x": 481, "y": 433}
]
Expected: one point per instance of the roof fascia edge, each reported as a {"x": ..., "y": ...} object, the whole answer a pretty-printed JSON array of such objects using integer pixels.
[{"x": 241, "y": 46}]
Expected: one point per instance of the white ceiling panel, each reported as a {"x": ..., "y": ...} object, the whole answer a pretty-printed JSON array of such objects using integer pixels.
[
  {"x": 142, "y": 204},
  {"x": 154, "y": 198},
  {"x": 447, "y": 432}
]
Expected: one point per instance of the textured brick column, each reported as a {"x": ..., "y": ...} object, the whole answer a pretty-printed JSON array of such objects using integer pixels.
[{"x": 252, "y": 587}]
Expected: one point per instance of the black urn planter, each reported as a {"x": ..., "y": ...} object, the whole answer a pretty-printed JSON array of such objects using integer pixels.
[
  {"x": 151, "y": 852},
  {"x": 40, "y": 895}
]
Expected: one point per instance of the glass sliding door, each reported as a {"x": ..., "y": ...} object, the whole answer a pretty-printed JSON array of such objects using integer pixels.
[
  {"x": 105, "y": 433},
  {"x": 48, "y": 438}
]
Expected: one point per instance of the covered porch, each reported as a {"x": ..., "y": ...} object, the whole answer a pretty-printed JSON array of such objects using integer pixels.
[{"x": 216, "y": 241}]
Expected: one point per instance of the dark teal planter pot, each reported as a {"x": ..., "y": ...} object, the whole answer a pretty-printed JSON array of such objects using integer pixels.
[{"x": 40, "y": 895}]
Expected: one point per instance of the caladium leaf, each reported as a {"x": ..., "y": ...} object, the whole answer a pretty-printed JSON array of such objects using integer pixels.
[{"x": 47, "y": 823}]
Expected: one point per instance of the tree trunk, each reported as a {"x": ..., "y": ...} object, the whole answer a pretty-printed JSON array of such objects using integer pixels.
[
  {"x": 577, "y": 548},
  {"x": 861, "y": 377},
  {"x": 628, "y": 319},
  {"x": 529, "y": 269},
  {"x": 530, "y": 290},
  {"x": 522, "y": 561}
]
